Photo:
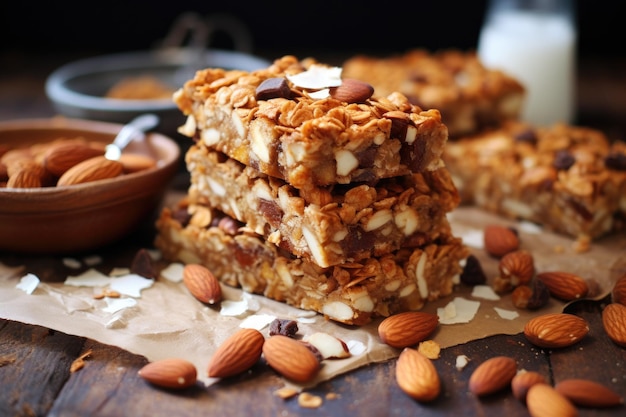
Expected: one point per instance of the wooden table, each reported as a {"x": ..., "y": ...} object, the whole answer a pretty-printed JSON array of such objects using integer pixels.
[{"x": 35, "y": 361}]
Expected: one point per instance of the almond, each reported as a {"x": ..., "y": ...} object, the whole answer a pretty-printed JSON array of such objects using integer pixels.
[
  {"x": 170, "y": 373},
  {"x": 492, "y": 375},
  {"x": 407, "y": 329},
  {"x": 329, "y": 346},
  {"x": 237, "y": 354},
  {"x": 352, "y": 91},
  {"x": 556, "y": 330},
  {"x": 544, "y": 401},
  {"x": 564, "y": 285},
  {"x": 500, "y": 240},
  {"x": 291, "y": 358},
  {"x": 25, "y": 178},
  {"x": 619, "y": 291},
  {"x": 202, "y": 284},
  {"x": 523, "y": 380},
  {"x": 614, "y": 322},
  {"x": 61, "y": 156},
  {"x": 134, "y": 162},
  {"x": 92, "y": 169},
  {"x": 588, "y": 393},
  {"x": 518, "y": 267},
  {"x": 417, "y": 376}
]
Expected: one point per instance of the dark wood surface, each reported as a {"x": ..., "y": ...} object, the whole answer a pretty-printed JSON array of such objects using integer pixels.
[{"x": 35, "y": 376}]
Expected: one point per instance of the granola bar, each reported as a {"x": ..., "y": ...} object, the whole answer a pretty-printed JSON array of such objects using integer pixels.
[
  {"x": 569, "y": 179},
  {"x": 330, "y": 225},
  {"x": 470, "y": 96},
  {"x": 301, "y": 122},
  {"x": 352, "y": 293}
]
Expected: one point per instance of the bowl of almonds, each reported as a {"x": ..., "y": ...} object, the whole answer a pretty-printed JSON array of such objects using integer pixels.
[{"x": 60, "y": 194}]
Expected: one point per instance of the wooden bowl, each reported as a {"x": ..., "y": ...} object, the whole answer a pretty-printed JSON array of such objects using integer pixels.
[{"x": 80, "y": 217}]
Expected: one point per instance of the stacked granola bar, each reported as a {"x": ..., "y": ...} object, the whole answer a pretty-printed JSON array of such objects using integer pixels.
[{"x": 309, "y": 188}]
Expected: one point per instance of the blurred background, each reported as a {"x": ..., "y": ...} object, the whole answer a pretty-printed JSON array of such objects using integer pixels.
[{"x": 36, "y": 38}]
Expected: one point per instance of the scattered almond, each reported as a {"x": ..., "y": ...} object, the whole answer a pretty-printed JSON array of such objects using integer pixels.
[
  {"x": 417, "y": 376},
  {"x": 92, "y": 169},
  {"x": 614, "y": 323},
  {"x": 291, "y": 358},
  {"x": 523, "y": 380},
  {"x": 556, "y": 330},
  {"x": 492, "y": 375},
  {"x": 518, "y": 267},
  {"x": 564, "y": 285},
  {"x": 407, "y": 329},
  {"x": 170, "y": 373},
  {"x": 587, "y": 393},
  {"x": 544, "y": 401},
  {"x": 618, "y": 293},
  {"x": 237, "y": 354},
  {"x": 202, "y": 284},
  {"x": 500, "y": 240}
]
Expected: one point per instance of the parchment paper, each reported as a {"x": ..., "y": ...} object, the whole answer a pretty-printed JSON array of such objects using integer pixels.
[{"x": 167, "y": 322}]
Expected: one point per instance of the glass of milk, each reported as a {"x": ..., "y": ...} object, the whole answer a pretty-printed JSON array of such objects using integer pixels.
[{"x": 535, "y": 42}]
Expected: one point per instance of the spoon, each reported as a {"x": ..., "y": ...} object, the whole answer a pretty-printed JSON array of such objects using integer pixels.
[{"x": 138, "y": 125}]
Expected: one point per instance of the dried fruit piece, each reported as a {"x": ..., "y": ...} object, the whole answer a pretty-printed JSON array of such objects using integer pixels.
[
  {"x": 143, "y": 264},
  {"x": 564, "y": 285},
  {"x": 544, "y": 401},
  {"x": 92, "y": 169},
  {"x": 556, "y": 330},
  {"x": 237, "y": 354},
  {"x": 523, "y": 380},
  {"x": 500, "y": 240},
  {"x": 614, "y": 322},
  {"x": 588, "y": 393},
  {"x": 407, "y": 329},
  {"x": 172, "y": 373},
  {"x": 417, "y": 376},
  {"x": 202, "y": 284},
  {"x": 473, "y": 273},
  {"x": 291, "y": 358},
  {"x": 531, "y": 297},
  {"x": 492, "y": 375}
]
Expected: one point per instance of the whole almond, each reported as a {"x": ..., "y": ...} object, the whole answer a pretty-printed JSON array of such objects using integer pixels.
[
  {"x": 237, "y": 354},
  {"x": 618, "y": 293},
  {"x": 543, "y": 400},
  {"x": 417, "y": 376},
  {"x": 291, "y": 358},
  {"x": 352, "y": 91},
  {"x": 92, "y": 169},
  {"x": 492, "y": 375},
  {"x": 556, "y": 330},
  {"x": 500, "y": 240},
  {"x": 134, "y": 162},
  {"x": 202, "y": 284},
  {"x": 564, "y": 285},
  {"x": 407, "y": 329},
  {"x": 614, "y": 323},
  {"x": 61, "y": 156},
  {"x": 172, "y": 373},
  {"x": 25, "y": 178},
  {"x": 523, "y": 380},
  {"x": 518, "y": 267},
  {"x": 588, "y": 393}
]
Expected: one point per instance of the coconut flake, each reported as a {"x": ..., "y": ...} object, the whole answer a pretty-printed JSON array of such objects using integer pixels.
[
  {"x": 131, "y": 284},
  {"x": 473, "y": 238},
  {"x": 118, "y": 272},
  {"x": 257, "y": 321},
  {"x": 317, "y": 77},
  {"x": 458, "y": 310},
  {"x": 71, "y": 263},
  {"x": 173, "y": 272},
  {"x": 117, "y": 304},
  {"x": 89, "y": 278},
  {"x": 484, "y": 292},
  {"x": 506, "y": 314},
  {"x": 92, "y": 260},
  {"x": 28, "y": 283},
  {"x": 356, "y": 347},
  {"x": 461, "y": 362},
  {"x": 320, "y": 94}
]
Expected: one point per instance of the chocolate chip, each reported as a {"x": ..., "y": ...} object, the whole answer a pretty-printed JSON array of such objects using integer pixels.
[
  {"x": 182, "y": 216},
  {"x": 473, "y": 273},
  {"x": 616, "y": 161},
  {"x": 399, "y": 124},
  {"x": 357, "y": 240},
  {"x": 284, "y": 327},
  {"x": 526, "y": 136},
  {"x": 273, "y": 88},
  {"x": 143, "y": 265},
  {"x": 563, "y": 160},
  {"x": 412, "y": 155}
]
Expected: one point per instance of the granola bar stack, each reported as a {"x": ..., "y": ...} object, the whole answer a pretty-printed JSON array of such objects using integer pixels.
[{"x": 310, "y": 189}]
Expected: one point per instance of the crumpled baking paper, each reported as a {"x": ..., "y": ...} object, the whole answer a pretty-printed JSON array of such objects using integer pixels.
[{"x": 166, "y": 321}]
